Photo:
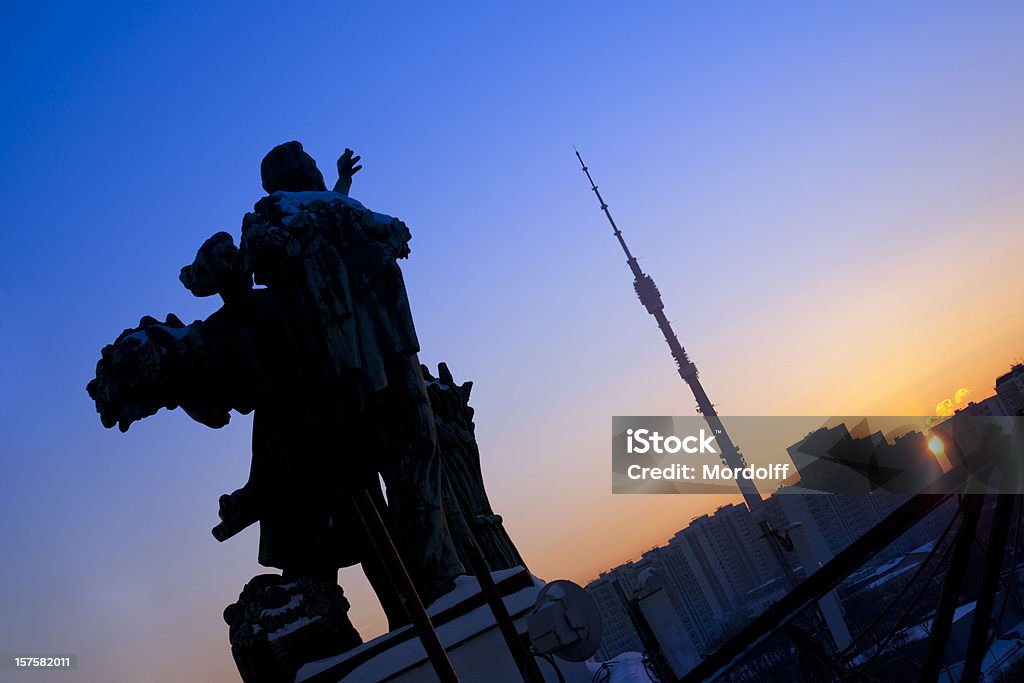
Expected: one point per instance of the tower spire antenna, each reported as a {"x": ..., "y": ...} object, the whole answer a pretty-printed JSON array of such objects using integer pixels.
[
  {"x": 630, "y": 259},
  {"x": 650, "y": 297}
]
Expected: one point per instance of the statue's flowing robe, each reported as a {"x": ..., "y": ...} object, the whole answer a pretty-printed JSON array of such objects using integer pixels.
[
  {"x": 325, "y": 353},
  {"x": 354, "y": 403}
]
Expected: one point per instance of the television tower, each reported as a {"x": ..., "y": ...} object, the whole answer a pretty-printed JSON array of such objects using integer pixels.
[{"x": 650, "y": 297}]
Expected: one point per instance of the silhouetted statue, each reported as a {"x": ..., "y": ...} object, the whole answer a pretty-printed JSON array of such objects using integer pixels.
[
  {"x": 325, "y": 354},
  {"x": 466, "y": 505}
]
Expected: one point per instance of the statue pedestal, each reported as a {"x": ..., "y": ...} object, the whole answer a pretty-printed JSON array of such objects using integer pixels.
[
  {"x": 468, "y": 631},
  {"x": 278, "y": 623}
]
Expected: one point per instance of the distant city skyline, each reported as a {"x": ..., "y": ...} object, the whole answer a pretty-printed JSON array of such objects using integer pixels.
[
  {"x": 1012, "y": 389},
  {"x": 723, "y": 570},
  {"x": 718, "y": 567}
]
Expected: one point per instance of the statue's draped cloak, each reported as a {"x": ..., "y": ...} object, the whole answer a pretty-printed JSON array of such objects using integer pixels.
[
  {"x": 311, "y": 351},
  {"x": 338, "y": 260},
  {"x": 325, "y": 353},
  {"x": 350, "y": 403}
]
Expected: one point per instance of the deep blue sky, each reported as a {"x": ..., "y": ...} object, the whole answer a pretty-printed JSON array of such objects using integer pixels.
[{"x": 829, "y": 198}]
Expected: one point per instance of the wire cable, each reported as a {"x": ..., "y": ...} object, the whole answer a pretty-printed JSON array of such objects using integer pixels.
[
  {"x": 888, "y": 608},
  {"x": 649, "y": 668},
  {"x": 554, "y": 665},
  {"x": 1007, "y": 593},
  {"x": 603, "y": 674},
  {"x": 1006, "y": 586},
  {"x": 884, "y": 644}
]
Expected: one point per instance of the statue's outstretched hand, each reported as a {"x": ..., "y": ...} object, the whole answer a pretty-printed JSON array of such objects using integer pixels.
[{"x": 347, "y": 167}]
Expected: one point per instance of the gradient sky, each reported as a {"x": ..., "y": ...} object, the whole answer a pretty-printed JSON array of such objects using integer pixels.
[{"x": 829, "y": 199}]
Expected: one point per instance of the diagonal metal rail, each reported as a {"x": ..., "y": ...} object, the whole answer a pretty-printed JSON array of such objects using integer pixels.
[{"x": 828, "y": 577}]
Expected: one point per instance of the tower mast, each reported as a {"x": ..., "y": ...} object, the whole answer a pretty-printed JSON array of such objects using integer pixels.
[{"x": 650, "y": 297}]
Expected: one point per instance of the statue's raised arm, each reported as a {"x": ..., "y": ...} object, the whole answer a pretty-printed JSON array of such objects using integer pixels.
[{"x": 346, "y": 169}]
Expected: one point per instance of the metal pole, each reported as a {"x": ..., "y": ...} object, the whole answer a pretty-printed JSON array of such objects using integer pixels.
[
  {"x": 978, "y": 643},
  {"x": 400, "y": 578},
  {"x": 943, "y": 622},
  {"x": 822, "y": 581},
  {"x": 528, "y": 668},
  {"x": 462, "y": 530}
]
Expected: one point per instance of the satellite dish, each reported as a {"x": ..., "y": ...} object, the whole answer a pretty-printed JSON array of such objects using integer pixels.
[{"x": 565, "y": 622}]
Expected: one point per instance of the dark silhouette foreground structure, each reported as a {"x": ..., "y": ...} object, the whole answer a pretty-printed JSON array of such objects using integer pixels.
[{"x": 325, "y": 353}]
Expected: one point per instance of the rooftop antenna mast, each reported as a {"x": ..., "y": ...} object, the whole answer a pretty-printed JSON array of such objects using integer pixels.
[{"x": 650, "y": 297}]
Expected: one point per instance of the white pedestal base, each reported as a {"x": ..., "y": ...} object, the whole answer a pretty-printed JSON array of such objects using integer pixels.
[{"x": 468, "y": 631}]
